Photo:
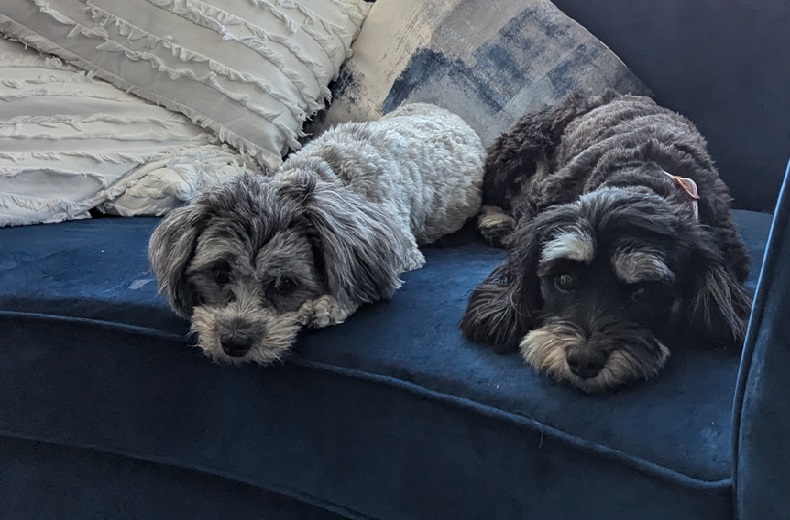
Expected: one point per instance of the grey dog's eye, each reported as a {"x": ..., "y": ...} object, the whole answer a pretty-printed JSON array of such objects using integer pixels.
[
  {"x": 565, "y": 282},
  {"x": 221, "y": 274},
  {"x": 282, "y": 286}
]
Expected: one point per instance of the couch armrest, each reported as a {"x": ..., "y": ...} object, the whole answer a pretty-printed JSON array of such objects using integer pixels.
[{"x": 761, "y": 422}]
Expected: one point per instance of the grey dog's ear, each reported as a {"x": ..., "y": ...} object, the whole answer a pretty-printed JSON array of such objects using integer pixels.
[
  {"x": 505, "y": 306},
  {"x": 716, "y": 306},
  {"x": 170, "y": 248},
  {"x": 362, "y": 249}
]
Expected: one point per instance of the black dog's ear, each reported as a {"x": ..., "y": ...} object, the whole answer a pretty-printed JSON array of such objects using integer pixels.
[
  {"x": 363, "y": 250},
  {"x": 715, "y": 305},
  {"x": 493, "y": 316},
  {"x": 170, "y": 249},
  {"x": 505, "y": 306}
]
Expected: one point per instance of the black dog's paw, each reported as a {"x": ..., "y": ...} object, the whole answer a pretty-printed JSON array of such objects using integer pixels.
[{"x": 495, "y": 225}]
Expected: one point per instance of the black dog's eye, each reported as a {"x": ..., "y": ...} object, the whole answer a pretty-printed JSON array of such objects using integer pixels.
[
  {"x": 644, "y": 292},
  {"x": 565, "y": 282},
  {"x": 283, "y": 286},
  {"x": 221, "y": 274},
  {"x": 638, "y": 295}
]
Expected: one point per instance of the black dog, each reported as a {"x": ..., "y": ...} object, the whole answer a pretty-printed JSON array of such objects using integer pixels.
[{"x": 617, "y": 227}]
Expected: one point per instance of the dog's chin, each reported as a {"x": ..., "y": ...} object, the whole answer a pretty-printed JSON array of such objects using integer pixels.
[
  {"x": 271, "y": 347},
  {"x": 545, "y": 350}
]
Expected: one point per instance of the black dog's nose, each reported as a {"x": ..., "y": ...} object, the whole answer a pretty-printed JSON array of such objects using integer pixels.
[
  {"x": 584, "y": 363},
  {"x": 235, "y": 346}
]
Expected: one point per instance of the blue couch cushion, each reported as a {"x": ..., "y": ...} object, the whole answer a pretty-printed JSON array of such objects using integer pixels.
[{"x": 390, "y": 415}]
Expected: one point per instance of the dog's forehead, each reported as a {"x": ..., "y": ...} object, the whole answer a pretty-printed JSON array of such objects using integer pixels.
[
  {"x": 635, "y": 210},
  {"x": 241, "y": 240},
  {"x": 220, "y": 240},
  {"x": 640, "y": 263},
  {"x": 576, "y": 242},
  {"x": 604, "y": 222},
  {"x": 250, "y": 210},
  {"x": 286, "y": 249},
  {"x": 632, "y": 258},
  {"x": 254, "y": 206}
]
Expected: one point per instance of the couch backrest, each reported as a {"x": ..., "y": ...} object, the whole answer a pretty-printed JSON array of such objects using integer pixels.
[{"x": 723, "y": 64}]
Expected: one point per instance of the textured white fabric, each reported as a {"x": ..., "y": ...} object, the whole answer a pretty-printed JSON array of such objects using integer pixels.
[
  {"x": 251, "y": 71},
  {"x": 167, "y": 183},
  {"x": 70, "y": 142}
]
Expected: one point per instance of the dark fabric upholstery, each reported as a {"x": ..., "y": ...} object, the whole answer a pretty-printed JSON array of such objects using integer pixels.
[
  {"x": 762, "y": 409},
  {"x": 725, "y": 65},
  {"x": 390, "y": 415},
  {"x": 49, "y": 481}
]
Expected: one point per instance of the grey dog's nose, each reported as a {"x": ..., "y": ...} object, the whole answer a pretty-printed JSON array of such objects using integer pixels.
[
  {"x": 585, "y": 363},
  {"x": 235, "y": 346}
]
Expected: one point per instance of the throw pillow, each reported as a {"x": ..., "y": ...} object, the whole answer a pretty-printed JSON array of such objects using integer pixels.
[
  {"x": 250, "y": 70},
  {"x": 70, "y": 142},
  {"x": 487, "y": 61}
]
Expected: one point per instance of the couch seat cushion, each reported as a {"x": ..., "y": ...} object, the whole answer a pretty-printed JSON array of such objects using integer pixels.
[{"x": 390, "y": 415}]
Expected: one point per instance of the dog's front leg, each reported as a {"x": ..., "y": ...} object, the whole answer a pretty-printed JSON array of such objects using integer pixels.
[
  {"x": 325, "y": 311},
  {"x": 413, "y": 258},
  {"x": 495, "y": 225}
]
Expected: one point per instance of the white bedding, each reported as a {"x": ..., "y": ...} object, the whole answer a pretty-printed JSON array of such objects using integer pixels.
[
  {"x": 250, "y": 71},
  {"x": 70, "y": 142},
  {"x": 192, "y": 92}
]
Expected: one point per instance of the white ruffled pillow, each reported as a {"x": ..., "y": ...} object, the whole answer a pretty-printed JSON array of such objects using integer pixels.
[
  {"x": 70, "y": 142},
  {"x": 167, "y": 183},
  {"x": 251, "y": 71}
]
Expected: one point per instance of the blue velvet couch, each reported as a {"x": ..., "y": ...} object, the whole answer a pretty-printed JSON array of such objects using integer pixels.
[{"x": 107, "y": 412}]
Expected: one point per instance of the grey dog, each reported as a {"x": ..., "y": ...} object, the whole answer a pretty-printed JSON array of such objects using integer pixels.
[
  {"x": 255, "y": 259},
  {"x": 618, "y": 230}
]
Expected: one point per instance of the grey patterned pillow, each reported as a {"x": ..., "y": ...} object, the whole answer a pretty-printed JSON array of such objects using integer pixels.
[{"x": 487, "y": 61}]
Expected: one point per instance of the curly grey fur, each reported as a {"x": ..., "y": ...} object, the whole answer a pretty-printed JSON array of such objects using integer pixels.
[{"x": 257, "y": 258}]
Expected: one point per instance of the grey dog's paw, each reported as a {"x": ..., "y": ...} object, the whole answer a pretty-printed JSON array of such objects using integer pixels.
[
  {"x": 414, "y": 260},
  {"x": 323, "y": 312},
  {"x": 495, "y": 225}
]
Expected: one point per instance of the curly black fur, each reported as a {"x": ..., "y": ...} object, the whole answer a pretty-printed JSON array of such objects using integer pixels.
[{"x": 598, "y": 166}]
